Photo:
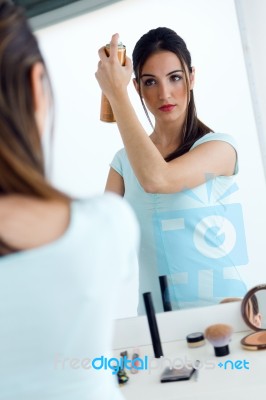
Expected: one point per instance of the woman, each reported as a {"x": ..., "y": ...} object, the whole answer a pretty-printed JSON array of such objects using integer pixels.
[
  {"x": 62, "y": 261},
  {"x": 176, "y": 177}
]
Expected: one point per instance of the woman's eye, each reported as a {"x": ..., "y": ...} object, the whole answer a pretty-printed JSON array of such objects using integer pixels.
[
  {"x": 175, "y": 78},
  {"x": 149, "y": 82}
]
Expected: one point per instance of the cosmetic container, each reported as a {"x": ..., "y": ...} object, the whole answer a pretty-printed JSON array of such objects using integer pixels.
[{"x": 195, "y": 339}]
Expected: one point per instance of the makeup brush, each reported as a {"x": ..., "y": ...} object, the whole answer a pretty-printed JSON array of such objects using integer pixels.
[{"x": 219, "y": 336}]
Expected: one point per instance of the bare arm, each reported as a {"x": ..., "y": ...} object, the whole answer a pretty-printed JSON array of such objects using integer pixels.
[
  {"x": 115, "y": 183},
  {"x": 153, "y": 172}
]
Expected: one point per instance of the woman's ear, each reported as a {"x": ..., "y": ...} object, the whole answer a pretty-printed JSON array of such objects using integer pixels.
[
  {"x": 39, "y": 95},
  {"x": 192, "y": 78},
  {"x": 37, "y": 73},
  {"x": 136, "y": 85}
]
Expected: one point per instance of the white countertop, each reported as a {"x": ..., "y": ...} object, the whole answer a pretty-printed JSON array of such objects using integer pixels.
[{"x": 214, "y": 382}]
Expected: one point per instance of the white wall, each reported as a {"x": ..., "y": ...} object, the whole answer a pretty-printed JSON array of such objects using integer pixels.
[
  {"x": 84, "y": 146},
  {"x": 251, "y": 18}
]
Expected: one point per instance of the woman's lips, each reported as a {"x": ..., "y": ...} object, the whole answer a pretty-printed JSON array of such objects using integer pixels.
[{"x": 167, "y": 107}]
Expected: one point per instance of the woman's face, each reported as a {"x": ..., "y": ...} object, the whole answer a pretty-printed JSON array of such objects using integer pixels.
[{"x": 163, "y": 86}]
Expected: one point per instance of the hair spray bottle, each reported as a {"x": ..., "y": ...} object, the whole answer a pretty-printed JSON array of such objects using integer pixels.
[{"x": 107, "y": 114}]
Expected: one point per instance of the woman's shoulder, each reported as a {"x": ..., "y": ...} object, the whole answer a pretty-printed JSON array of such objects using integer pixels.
[
  {"x": 120, "y": 161},
  {"x": 99, "y": 218},
  {"x": 108, "y": 225},
  {"x": 120, "y": 155},
  {"x": 212, "y": 136},
  {"x": 107, "y": 202},
  {"x": 109, "y": 208},
  {"x": 121, "y": 152}
]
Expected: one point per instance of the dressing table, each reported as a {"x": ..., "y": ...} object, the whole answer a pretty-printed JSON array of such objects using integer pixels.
[{"x": 242, "y": 377}]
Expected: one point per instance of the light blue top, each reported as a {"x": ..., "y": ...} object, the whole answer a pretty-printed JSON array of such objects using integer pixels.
[
  {"x": 57, "y": 303},
  {"x": 195, "y": 237}
]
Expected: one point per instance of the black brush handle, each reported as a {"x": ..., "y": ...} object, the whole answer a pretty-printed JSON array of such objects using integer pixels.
[
  {"x": 164, "y": 292},
  {"x": 155, "y": 337}
]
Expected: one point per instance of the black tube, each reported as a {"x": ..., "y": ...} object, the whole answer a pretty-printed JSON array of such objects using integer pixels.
[
  {"x": 165, "y": 293},
  {"x": 155, "y": 337}
]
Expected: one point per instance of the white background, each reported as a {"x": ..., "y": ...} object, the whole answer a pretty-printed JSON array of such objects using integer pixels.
[{"x": 84, "y": 146}]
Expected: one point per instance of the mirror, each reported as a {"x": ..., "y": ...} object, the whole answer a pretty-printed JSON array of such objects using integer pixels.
[
  {"x": 84, "y": 146},
  {"x": 253, "y": 309}
]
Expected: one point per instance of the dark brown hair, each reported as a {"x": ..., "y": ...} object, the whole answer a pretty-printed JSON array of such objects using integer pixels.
[
  {"x": 165, "y": 39},
  {"x": 21, "y": 155}
]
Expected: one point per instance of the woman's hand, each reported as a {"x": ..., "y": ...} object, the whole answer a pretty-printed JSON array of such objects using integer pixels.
[{"x": 112, "y": 77}]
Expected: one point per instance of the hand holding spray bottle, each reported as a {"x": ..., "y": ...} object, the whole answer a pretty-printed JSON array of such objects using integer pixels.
[{"x": 106, "y": 114}]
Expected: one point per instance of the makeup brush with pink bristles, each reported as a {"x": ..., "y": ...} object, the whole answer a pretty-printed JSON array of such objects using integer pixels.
[{"x": 219, "y": 336}]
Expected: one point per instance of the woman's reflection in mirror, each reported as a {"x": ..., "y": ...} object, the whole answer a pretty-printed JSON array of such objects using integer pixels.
[
  {"x": 176, "y": 177},
  {"x": 253, "y": 312}
]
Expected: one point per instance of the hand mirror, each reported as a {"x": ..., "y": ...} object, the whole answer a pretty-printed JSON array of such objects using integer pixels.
[{"x": 253, "y": 309}]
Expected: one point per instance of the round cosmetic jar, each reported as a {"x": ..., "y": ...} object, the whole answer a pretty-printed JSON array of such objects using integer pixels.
[{"x": 195, "y": 339}]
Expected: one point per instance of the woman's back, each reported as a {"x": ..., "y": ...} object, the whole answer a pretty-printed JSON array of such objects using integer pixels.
[{"x": 57, "y": 303}]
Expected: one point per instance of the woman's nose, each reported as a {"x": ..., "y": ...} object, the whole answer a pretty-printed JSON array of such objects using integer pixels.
[{"x": 164, "y": 91}]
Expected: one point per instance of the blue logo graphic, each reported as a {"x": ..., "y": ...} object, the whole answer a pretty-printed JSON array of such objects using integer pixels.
[
  {"x": 238, "y": 364},
  {"x": 116, "y": 364},
  {"x": 201, "y": 248}
]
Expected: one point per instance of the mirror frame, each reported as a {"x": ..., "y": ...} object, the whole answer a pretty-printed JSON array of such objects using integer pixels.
[
  {"x": 245, "y": 300},
  {"x": 243, "y": 341},
  {"x": 42, "y": 13}
]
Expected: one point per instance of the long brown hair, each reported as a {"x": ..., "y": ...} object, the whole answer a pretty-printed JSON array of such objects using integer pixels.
[
  {"x": 21, "y": 155},
  {"x": 165, "y": 39}
]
